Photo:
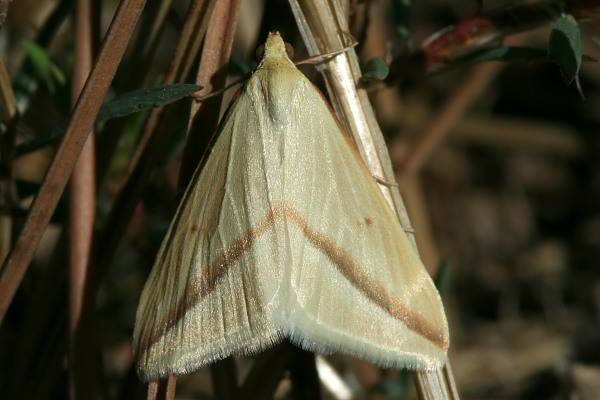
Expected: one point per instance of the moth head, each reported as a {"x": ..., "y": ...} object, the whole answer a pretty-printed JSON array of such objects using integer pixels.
[{"x": 274, "y": 47}]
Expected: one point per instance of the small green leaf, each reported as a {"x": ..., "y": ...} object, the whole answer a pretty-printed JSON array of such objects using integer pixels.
[
  {"x": 377, "y": 68},
  {"x": 565, "y": 46},
  {"x": 145, "y": 99},
  {"x": 44, "y": 67}
]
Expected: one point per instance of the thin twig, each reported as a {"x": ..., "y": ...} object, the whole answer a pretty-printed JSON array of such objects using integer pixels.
[
  {"x": 8, "y": 135},
  {"x": 452, "y": 111},
  {"x": 212, "y": 75},
  {"x": 83, "y": 350}
]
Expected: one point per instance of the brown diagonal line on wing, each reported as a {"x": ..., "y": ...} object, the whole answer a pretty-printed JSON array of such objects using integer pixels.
[
  {"x": 361, "y": 280},
  {"x": 343, "y": 261},
  {"x": 207, "y": 283}
]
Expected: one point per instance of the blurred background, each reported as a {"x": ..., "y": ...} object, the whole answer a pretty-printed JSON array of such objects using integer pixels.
[{"x": 497, "y": 163}]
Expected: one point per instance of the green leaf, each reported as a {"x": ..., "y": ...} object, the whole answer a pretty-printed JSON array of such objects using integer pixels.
[
  {"x": 123, "y": 105},
  {"x": 45, "y": 69},
  {"x": 145, "y": 99},
  {"x": 377, "y": 68},
  {"x": 565, "y": 46}
]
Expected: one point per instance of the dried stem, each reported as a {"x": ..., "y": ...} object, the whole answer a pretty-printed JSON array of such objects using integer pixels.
[
  {"x": 212, "y": 76},
  {"x": 83, "y": 351},
  {"x": 10, "y": 115},
  {"x": 452, "y": 111}
]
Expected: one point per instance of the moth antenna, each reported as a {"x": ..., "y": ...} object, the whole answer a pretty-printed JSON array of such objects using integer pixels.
[
  {"x": 325, "y": 56},
  {"x": 223, "y": 89}
]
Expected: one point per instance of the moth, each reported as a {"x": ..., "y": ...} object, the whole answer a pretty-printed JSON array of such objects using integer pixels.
[{"x": 285, "y": 234}]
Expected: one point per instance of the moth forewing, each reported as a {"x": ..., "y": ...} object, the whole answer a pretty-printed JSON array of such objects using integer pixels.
[{"x": 284, "y": 233}]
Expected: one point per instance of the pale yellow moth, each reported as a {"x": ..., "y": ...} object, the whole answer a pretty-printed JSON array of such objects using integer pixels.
[{"x": 285, "y": 234}]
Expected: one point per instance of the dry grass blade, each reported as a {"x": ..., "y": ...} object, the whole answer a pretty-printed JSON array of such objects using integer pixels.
[
  {"x": 83, "y": 347},
  {"x": 162, "y": 390},
  {"x": 9, "y": 102},
  {"x": 10, "y": 114},
  {"x": 212, "y": 76}
]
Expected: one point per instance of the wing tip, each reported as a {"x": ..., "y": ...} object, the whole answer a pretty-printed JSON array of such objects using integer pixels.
[
  {"x": 151, "y": 370},
  {"x": 424, "y": 359}
]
